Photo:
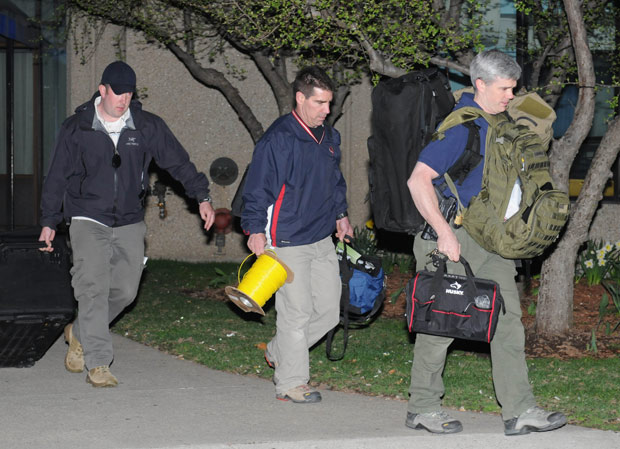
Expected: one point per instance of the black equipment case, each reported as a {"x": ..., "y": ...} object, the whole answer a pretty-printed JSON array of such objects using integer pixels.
[{"x": 36, "y": 298}]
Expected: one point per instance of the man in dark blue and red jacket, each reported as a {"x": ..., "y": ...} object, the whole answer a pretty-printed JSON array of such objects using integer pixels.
[
  {"x": 295, "y": 197},
  {"x": 97, "y": 179}
]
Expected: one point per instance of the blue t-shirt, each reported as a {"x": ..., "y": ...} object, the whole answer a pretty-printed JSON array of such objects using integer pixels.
[{"x": 440, "y": 155}]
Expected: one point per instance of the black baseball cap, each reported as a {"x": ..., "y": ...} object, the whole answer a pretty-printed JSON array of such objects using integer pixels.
[{"x": 120, "y": 76}]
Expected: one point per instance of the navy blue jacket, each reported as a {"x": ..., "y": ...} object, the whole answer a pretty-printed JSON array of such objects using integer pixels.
[
  {"x": 81, "y": 180},
  {"x": 294, "y": 187}
]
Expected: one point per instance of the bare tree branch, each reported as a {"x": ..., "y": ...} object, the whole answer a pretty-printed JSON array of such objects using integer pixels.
[
  {"x": 450, "y": 64},
  {"x": 215, "y": 79},
  {"x": 280, "y": 86},
  {"x": 584, "y": 111},
  {"x": 189, "y": 31}
]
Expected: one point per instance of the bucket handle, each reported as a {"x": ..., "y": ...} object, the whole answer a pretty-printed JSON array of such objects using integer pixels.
[{"x": 245, "y": 260}]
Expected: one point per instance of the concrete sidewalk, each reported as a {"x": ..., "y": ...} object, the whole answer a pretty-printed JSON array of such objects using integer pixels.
[{"x": 164, "y": 402}]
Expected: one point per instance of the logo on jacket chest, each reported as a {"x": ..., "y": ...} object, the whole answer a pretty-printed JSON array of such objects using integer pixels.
[{"x": 132, "y": 142}]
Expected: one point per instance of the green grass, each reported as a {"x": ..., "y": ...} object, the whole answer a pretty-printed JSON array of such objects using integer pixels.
[{"x": 378, "y": 359}]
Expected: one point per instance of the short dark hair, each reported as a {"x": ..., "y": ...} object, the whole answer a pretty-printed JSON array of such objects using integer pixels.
[{"x": 310, "y": 77}]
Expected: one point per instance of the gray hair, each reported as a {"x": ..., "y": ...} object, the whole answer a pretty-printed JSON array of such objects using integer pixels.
[{"x": 491, "y": 65}]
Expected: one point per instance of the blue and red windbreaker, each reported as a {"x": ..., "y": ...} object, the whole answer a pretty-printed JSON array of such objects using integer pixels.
[{"x": 294, "y": 188}]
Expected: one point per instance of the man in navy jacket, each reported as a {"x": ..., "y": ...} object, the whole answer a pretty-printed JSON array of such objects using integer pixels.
[
  {"x": 97, "y": 179},
  {"x": 295, "y": 197}
]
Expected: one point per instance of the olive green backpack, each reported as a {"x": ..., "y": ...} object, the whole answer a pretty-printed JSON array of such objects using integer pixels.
[{"x": 514, "y": 156}]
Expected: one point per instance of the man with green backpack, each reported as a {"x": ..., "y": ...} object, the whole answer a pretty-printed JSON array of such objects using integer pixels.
[{"x": 494, "y": 76}]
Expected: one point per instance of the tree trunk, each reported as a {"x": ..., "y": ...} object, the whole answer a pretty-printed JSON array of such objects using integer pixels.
[
  {"x": 554, "y": 314},
  {"x": 282, "y": 91}
]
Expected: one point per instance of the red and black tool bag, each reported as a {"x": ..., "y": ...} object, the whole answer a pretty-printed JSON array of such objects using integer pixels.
[{"x": 451, "y": 305}]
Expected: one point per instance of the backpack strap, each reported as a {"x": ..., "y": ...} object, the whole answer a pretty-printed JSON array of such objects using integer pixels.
[
  {"x": 461, "y": 209},
  {"x": 434, "y": 109},
  {"x": 471, "y": 156},
  {"x": 469, "y": 159}
]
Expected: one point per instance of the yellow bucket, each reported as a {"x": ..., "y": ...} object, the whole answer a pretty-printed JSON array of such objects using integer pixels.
[{"x": 259, "y": 284}]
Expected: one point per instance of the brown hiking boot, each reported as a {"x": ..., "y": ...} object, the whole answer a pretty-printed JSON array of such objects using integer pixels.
[
  {"x": 302, "y": 394},
  {"x": 74, "y": 360},
  {"x": 101, "y": 377}
]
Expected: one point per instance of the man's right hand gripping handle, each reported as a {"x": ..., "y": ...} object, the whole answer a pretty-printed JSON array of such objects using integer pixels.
[{"x": 47, "y": 236}]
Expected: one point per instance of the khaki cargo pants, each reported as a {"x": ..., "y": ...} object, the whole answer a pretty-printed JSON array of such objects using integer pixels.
[{"x": 306, "y": 310}]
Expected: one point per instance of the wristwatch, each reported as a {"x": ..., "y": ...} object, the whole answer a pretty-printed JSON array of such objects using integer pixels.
[
  {"x": 341, "y": 216},
  {"x": 206, "y": 198}
]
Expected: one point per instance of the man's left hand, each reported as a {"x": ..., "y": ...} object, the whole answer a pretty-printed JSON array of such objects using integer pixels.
[
  {"x": 207, "y": 213},
  {"x": 343, "y": 228}
]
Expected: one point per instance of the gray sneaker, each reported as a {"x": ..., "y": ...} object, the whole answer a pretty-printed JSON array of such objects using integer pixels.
[
  {"x": 435, "y": 422},
  {"x": 534, "y": 419}
]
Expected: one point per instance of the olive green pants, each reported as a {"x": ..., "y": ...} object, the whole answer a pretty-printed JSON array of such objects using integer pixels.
[{"x": 510, "y": 377}]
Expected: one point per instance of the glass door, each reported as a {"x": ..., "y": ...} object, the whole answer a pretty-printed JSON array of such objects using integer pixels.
[
  {"x": 32, "y": 104},
  {"x": 19, "y": 135}
]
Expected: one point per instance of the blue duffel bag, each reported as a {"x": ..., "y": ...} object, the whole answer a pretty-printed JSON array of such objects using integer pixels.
[{"x": 363, "y": 292}]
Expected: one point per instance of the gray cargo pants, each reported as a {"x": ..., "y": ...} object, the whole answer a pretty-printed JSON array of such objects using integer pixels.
[{"x": 107, "y": 266}]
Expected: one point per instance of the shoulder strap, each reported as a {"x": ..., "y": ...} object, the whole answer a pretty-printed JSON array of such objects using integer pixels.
[
  {"x": 470, "y": 158},
  {"x": 466, "y": 114},
  {"x": 461, "y": 209}
]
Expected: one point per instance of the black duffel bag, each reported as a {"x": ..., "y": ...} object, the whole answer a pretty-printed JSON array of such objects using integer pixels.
[{"x": 452, "y": 305}]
